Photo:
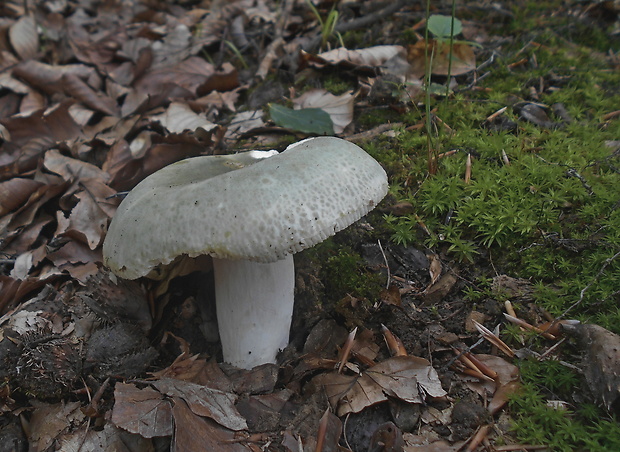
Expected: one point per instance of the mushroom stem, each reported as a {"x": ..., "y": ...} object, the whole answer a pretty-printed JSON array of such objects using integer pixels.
[{"x": 254, "y": 303}]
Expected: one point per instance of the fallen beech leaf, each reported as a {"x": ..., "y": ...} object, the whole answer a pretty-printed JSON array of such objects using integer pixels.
[
  {"x": 48, "y": 77},
  {"x": 408, "y": 378},
  {"x": 204, "y": 401},
  {"x": 244, "y": 122},
  {"x": 174, "y": 48},
  {"x": 195, "y": 433},
  {"x": 339, "y": 108},
  {"x": 142, "y": 411},
  {"x": 48, "y": 421},
  {"x": 14, "y": 192},
  {"x": 463, "y": 58},
  {"x": 12, "y": 84},
  {"x": 24, "y": 37},
  {"x": 196, "y": 370},
  {"x": 179, "y": 117},
  {"x": 330, "y": 430},
  {"x": 440, "y": 289},
  {"x": 502, "y": 395},
  {"x": 71, "y": 169},
  {"x": 86, "y": 439},
  {"x": 75, "y": 87}
]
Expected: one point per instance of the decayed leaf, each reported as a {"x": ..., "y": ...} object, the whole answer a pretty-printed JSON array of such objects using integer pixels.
[
  {"x": 196, "y": 370},
  {"x": 75, "y": 87},
  {"x": 179, "y": 117},
  {"x": 339, "y": 108},
  {"x": 244, "y": 122},
  {"x": 24, "y": 37},
  {"x": 408, "y": 378},
  {"x": 142, "y": 411},
  {"x": 48, "y": 421},
  {"x": 463, "y": 58},
  {"x": 204, "y": 401},
  {"x": 196, "y": 434},
  {"x": 506, "y": 383},
  {"x": 48, "y": 77},
  {"x": 14, "y": 192},
  {"x": 370, "y": 56},
  {"x": 87, "y": 219},
  {"x": 12, "y": 84},
  {"x": 71, "y": 169},
  {"x": 110, "y": 438}
]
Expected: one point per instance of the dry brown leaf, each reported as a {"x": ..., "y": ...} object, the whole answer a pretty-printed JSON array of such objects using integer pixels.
[
  {"x": 24, "y": 37},
  {"x": 193, "y": 433},
  {"x": 506, "y": 383},
  {"x": 463, "y": 58},
  {"x": 204, "y": 401},
  {"x": 46, "y": 77},
  {"x": 111, "y": 438},
  {"x": 11, "y": 83},
  {"x": 434, "y": 268},
  {"x": 179, "y": 117},
  {"x": 339, "y": 108},
  {"x": 408, "y": 378},
  {"x": 75, "y": 87},
  {"x": 48, "y": 421},
  {"x": 245, "y": 121},
  {"x": 71, "y": 169},
  {"x": 27, "y": 236},
  {"x": 142, "y": 411},
  {"x": 440, "y": 289},
  {"x": 16, "y": 191},
  {"x": 174, "y": 48}
]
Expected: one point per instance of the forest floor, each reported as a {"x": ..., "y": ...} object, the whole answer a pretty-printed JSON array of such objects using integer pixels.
[{"x": 476, "y": 308}]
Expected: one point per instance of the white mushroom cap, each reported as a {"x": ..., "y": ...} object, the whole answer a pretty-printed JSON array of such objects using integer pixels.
[{"x": 265, "y": 210}]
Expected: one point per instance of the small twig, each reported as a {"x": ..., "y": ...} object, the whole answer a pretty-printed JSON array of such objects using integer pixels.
[{"x": 387, "y": 266}]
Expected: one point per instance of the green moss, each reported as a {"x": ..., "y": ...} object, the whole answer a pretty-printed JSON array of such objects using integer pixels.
[
  {"x": 536, "y": 422},
  {"x": 550, "y": 215},
  {"x": 344, "y": 273}
]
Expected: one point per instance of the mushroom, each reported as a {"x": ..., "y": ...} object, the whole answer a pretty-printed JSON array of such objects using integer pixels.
[{"x": 250, "y": 212}]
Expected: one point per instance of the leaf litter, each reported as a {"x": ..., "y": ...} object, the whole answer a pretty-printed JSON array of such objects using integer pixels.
[{"x": 92, "y": 113}]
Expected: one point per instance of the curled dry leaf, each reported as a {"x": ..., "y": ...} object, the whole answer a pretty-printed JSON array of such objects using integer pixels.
[
  {"x": 78, "y": 89},
  {"x": 71, "y": 169},
  {"x": 408, "y": 378},
  {"x": 339, "y": 108},
  {"x": 179, "y": 117},
  {"x": 15, "y": 192},
  {"x": 48, "y": 77},
  {"x": 24, "y": 37}
]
